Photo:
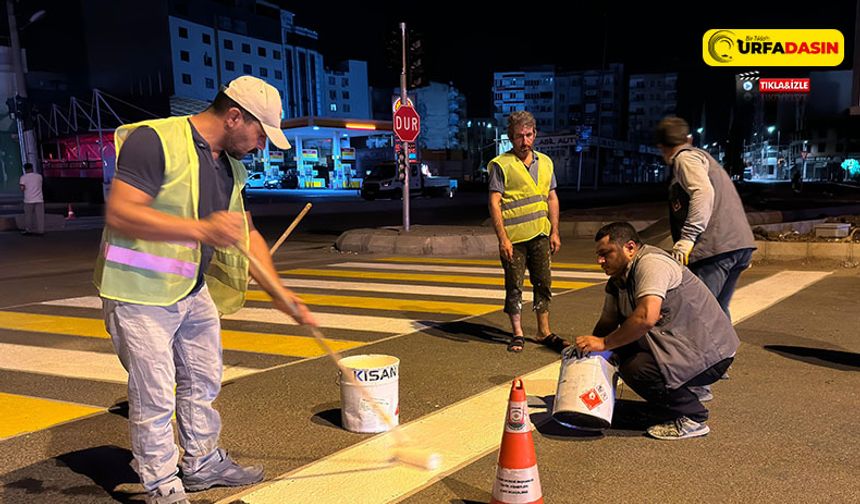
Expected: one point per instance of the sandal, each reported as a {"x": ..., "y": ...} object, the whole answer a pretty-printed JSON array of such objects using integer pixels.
[
  {"x": 517, "y": 344},
  {"x": 554, "y": 342}
]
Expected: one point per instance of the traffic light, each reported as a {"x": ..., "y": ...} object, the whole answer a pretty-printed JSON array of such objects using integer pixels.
[
  {"x": 414, "y": 56},
  {"x": 401, "y": 167},
  {"x": 415, "y": 44},
  {"x": 20, "y": 108}
]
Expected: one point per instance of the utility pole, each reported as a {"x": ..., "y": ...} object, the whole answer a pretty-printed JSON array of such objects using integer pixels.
[{"x": 405, "y": 146}]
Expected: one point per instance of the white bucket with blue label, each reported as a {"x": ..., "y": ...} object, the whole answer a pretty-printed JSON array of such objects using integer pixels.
[
  {"x": 379, "y": 376},
  {"x": 585, "y": 398}
]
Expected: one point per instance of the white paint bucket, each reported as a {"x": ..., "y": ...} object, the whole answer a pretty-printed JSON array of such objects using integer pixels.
[
  {"x": 585, "y": 398},
  {"x": 378, "y": 374}
]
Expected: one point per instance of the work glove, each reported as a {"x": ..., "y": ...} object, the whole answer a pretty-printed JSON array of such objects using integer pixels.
[{"x": 681, "y": 251}]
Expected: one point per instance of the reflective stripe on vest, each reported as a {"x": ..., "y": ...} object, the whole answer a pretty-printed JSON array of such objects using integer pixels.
[{"x": 142, "y": 260}]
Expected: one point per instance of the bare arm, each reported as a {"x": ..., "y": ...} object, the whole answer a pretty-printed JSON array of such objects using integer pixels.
[
  {"x": 495, "y": 206},
  {"x": 554, "y": 237},
  {"x": 644, "y": 317},
  {"x": 506, "y": 249},
  {"x": 129, "y": 212}
]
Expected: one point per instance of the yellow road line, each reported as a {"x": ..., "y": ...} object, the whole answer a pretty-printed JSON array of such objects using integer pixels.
[
  {"x": 422, "y": 277},
  {"x": 390, "y": 304},
  {"x": 242, "y": 341},
  {"x": 29, "y": 414},
  {"x": 483, "y": 262}
]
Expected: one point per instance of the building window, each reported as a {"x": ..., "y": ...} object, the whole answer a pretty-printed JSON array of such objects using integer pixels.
[
  {"x": 331, "y": 81},
  {"x": 210, "y": 83},
  {"x": 229, "y": 65},
  {"x": 247, "y": 69},
  {"x": 261, "y": 51},
  {"x": 184, "y": 56},
  {"x": 207, "y": 60},
  {"x": 279, "y": 75},
  {"x": 183, "y": 32},
  {"x": 228, "y": 44},
  {"x": 346, "y": 107},
  {"x": 332, "y": 94},
  {"x": 186, "y": 79},
  {"x": 246, "y": 48},
  {"x": 344, "y": 82},
  {"x": 276, "y": 54},
  {"x": 207, "y": 39},
  {"x": 344, "y": 95},
  {"x": 333, "y": 107},
  {"x": 264, "y": 72}
]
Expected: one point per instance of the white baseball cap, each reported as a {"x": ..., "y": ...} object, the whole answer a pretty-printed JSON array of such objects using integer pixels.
[{"x": 262, "y": 101}]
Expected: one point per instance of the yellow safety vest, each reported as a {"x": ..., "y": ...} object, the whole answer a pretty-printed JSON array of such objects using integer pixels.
[
  {"x": 524, "y": 202},
  {"x": 160, "y": 273}
]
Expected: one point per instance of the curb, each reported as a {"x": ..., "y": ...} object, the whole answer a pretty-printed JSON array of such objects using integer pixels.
[
  {"x": 790, "y": 251},
  {"x": 422, "y": 240}
]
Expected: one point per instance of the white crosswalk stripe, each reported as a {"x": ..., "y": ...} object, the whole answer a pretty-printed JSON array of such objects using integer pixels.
[
  {"x": 436, "y": 268},
  {"x": 96, "y": 366}
]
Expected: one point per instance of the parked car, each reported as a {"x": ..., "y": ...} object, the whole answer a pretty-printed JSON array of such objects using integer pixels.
[
  {"x": 256, "y": 180},
  {"x": 289, "y": 180}
]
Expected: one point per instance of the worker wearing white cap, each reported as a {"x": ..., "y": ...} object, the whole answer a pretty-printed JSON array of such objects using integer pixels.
[{"x": 168, "y": 268}]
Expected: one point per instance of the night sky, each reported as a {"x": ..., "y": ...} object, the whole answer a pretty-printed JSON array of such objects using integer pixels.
[{"x": 467, "y": 41}]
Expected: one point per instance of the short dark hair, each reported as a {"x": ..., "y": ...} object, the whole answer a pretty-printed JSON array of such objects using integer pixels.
[
  {"x": 671, "y": 131},
  {"x": 28, "y": 167},
  {"x": 222, "y": 103},
  {"x": 619, "y": 233}
]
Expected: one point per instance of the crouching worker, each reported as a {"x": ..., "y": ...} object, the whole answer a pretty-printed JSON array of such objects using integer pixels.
[{"x": 665, "y": 327}]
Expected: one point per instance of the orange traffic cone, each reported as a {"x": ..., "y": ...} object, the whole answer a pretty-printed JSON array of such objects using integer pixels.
[
  {"x": 71, "y": 213},
  {"x": 517, "y": 479}
]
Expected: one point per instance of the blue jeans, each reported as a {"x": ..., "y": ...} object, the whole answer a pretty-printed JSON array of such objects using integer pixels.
[
  {"x": 720, "y": 274},
  {"x": 162, "y": 348}
]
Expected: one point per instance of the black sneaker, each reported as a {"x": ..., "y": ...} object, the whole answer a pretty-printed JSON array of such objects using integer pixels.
[{"x": 224, "y": 472}]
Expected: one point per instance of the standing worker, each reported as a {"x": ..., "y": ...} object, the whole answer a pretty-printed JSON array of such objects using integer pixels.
[
  {"x": 709, "y": 226},
  {"x": 663, "y": 325},
  {"x": 168, "y": 269},
  {"x": 524, "y": 209},
  {"x": 34, "y": 203}
]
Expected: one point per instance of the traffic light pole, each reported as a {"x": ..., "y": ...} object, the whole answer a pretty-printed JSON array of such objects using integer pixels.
[
  {"x": 17, "y": 68},
  {"x": 405, "y": 145}
]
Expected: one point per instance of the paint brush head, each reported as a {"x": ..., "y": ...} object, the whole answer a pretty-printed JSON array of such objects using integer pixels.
[{"x": 423, "y": 459}]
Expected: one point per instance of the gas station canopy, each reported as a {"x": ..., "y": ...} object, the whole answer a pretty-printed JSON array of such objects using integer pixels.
[
  {"x": 326, "y": 127},
  {"x": 322, "y": 150}
]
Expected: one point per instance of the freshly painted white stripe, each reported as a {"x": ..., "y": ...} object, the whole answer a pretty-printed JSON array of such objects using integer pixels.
[
  {"x": 304, "y": 283},
  {"x": 77, "y": 302},
  {"x": 422, "y": 268},
  {"x": 461, "y": 433},
  {"x": 390, "y": 325},
  {"x": 424, "y": 290},
  {"x": 762, "y": 294},
  {"x": 78, "y": 364},
  {"x": 336, "y": 321}
]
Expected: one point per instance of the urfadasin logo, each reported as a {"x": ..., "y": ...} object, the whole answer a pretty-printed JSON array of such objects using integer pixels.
[
  {"x": 767, "y": 47},
  {"x": 720, "y": 46}
]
